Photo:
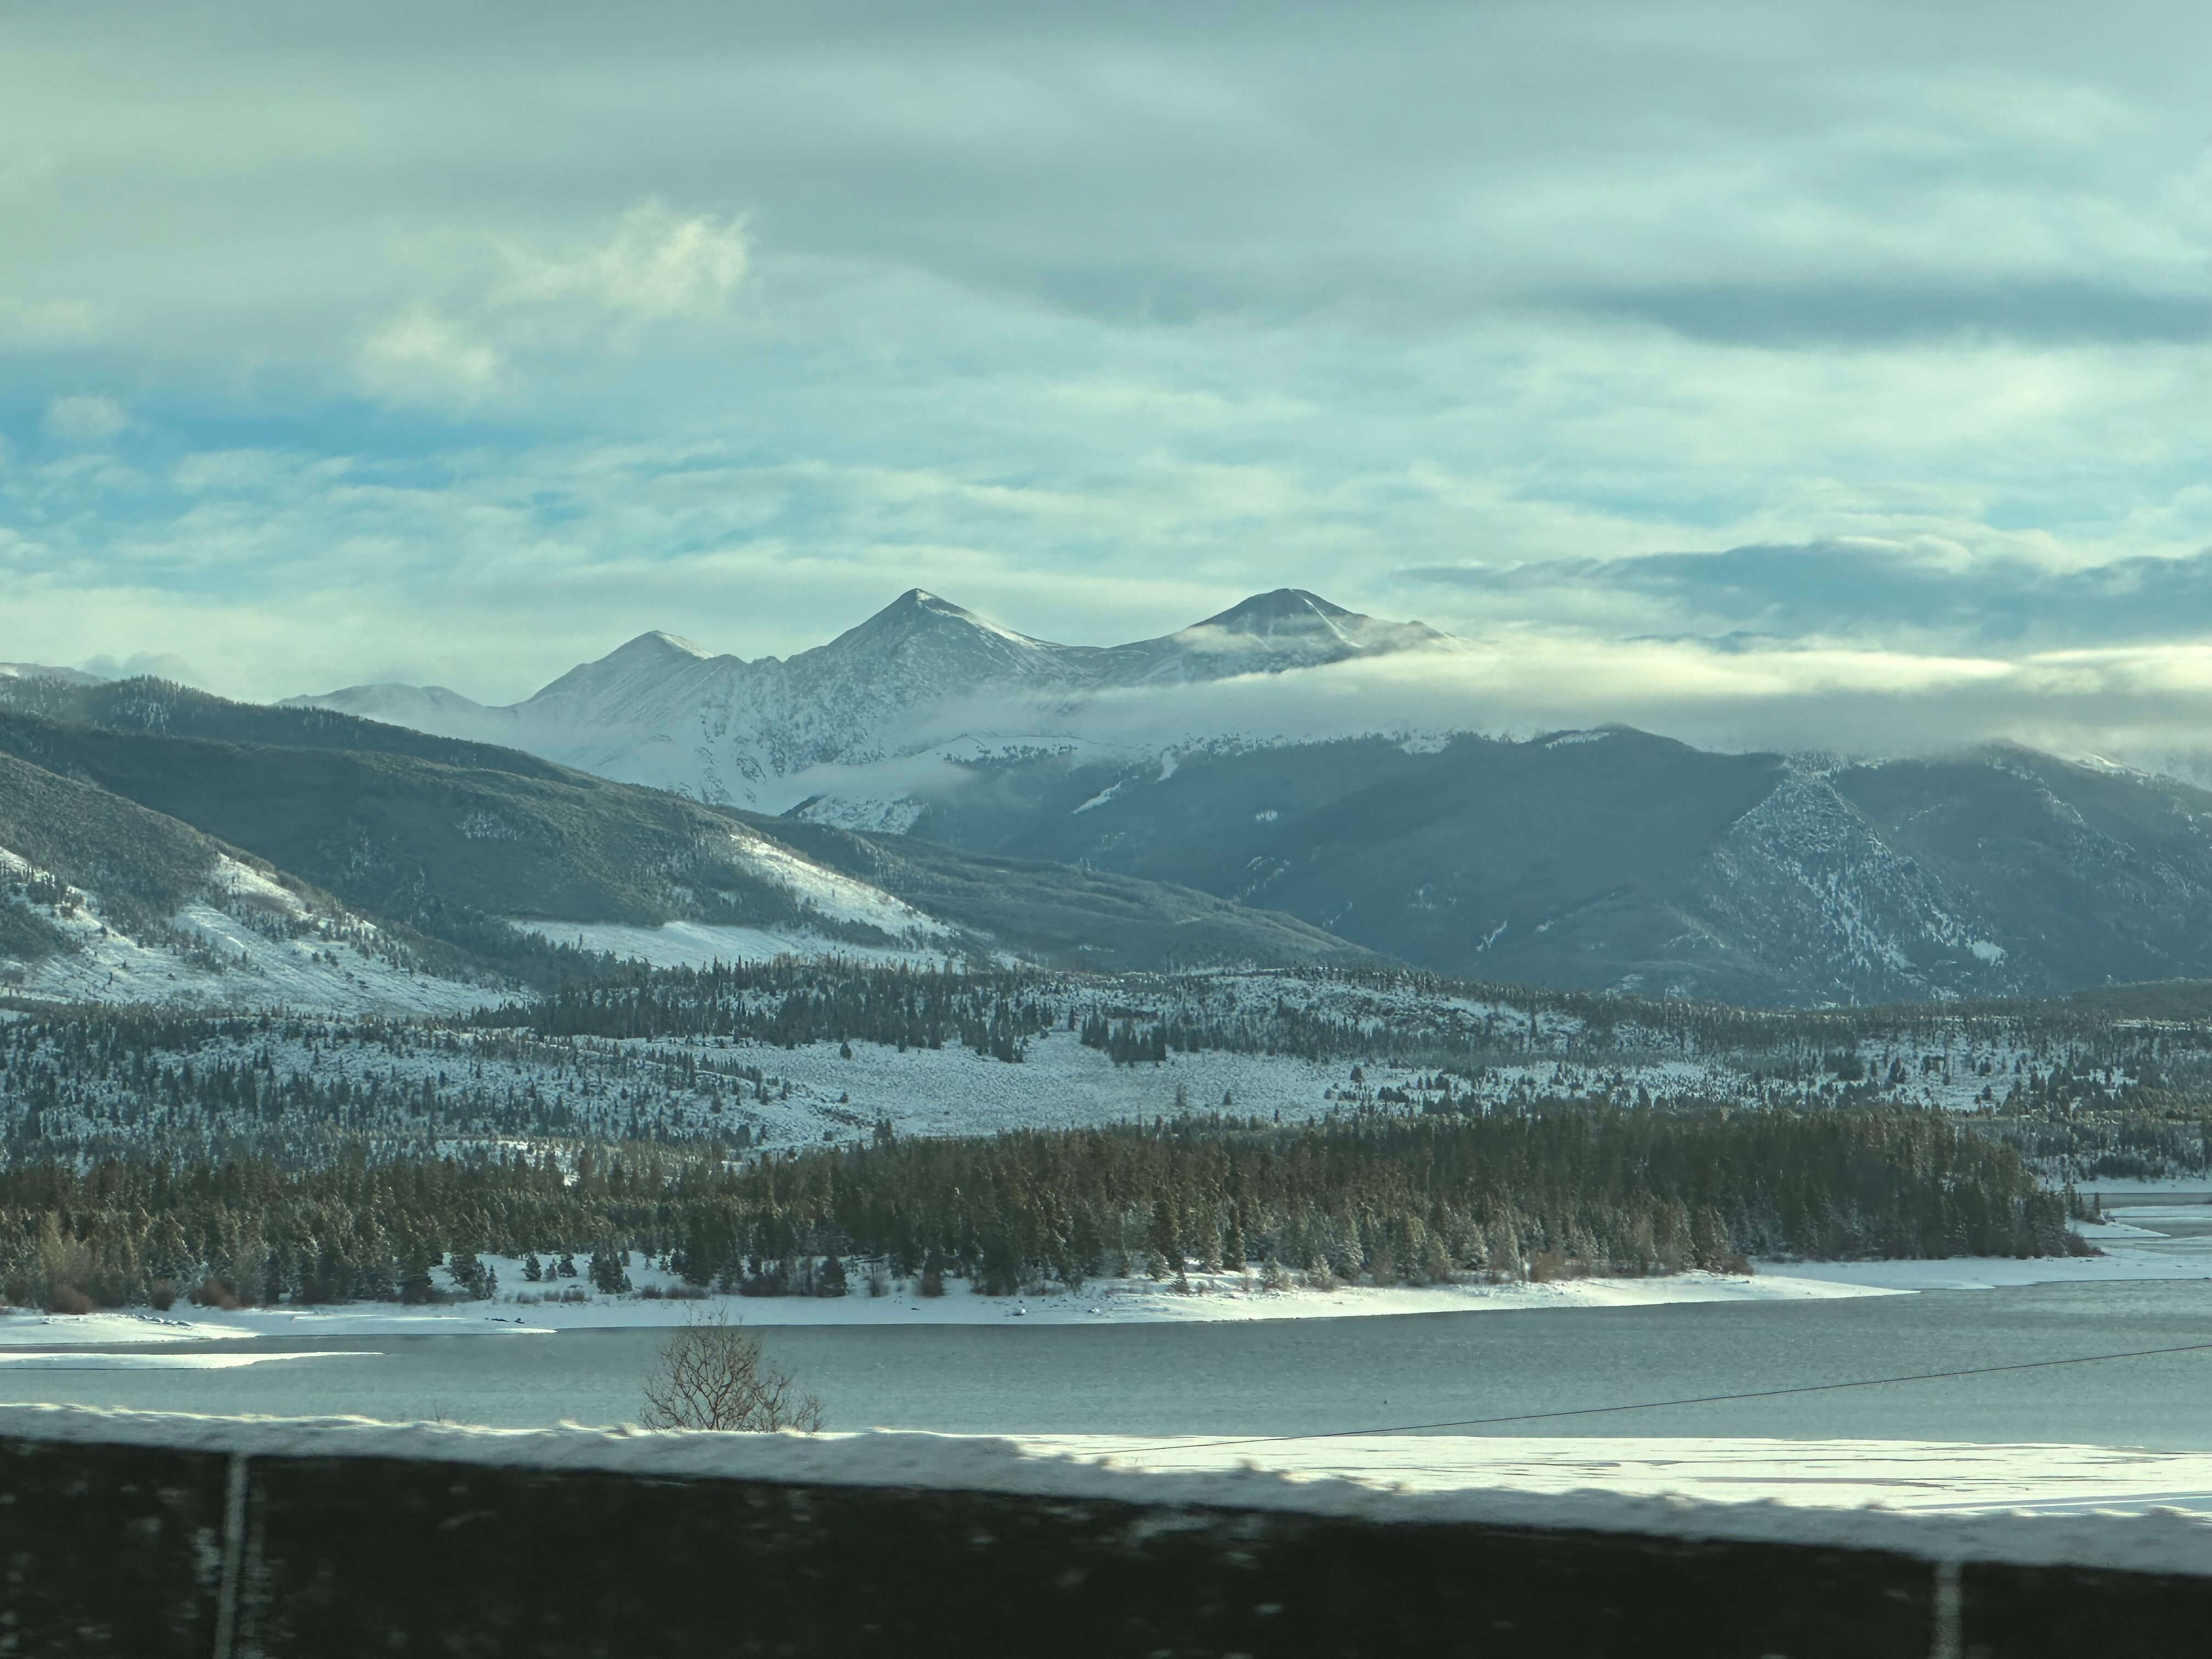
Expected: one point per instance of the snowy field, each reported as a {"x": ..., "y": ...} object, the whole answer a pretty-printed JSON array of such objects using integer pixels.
[
  {"x": 1060, "y": 1084},
  {"x": 702, "y": 944}
]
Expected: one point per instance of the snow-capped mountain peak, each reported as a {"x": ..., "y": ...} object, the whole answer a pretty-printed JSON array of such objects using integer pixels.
[
  {"x": 661, "y": 710},
  {"x": 665, "y": 644},
  {"x": 930, "y": 646},
  {"x": 1268, "y": 634},
  {"x": 1286, "y": 610}
]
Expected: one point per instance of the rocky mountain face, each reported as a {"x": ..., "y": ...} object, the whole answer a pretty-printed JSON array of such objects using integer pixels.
[
  {"x": 917, "y": 676},
  {"x": 1615, "y": 858}
]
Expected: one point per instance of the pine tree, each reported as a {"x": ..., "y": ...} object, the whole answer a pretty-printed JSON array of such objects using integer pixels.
[{"x": 609, "y": 1271}]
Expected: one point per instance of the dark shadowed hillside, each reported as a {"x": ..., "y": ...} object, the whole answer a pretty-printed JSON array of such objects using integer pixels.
[{"x": 1615, "y": 858}]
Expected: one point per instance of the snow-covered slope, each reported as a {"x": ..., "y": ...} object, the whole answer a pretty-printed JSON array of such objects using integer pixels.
[
  {"x": 922, "y": 676},
  {"x": 247, "y": 942},
  {"x": 35, "y": 671}
]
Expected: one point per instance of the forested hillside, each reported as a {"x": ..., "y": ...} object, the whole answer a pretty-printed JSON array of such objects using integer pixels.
[
  {"x": 1614, "y": 859},
  {"x": 448, "y": 847}
]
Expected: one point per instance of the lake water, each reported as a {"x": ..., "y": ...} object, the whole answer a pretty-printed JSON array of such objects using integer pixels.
[{"x": 1290, "y": 1377}]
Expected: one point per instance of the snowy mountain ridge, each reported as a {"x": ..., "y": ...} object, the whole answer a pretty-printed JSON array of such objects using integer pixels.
[{"x": 921, "y": 677}]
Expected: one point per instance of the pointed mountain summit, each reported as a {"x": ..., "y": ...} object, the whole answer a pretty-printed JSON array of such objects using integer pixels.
[
  {"x": 1286, "y": 610},
  {"x": 646, "y": 653},
  {"x": 918, "y": 606},
  {"x": 920, "y": 614},
  {"x": 633, "y": 679},
  {"x": 921, "y": 647},
  {"x": 1270, "y": 633}
]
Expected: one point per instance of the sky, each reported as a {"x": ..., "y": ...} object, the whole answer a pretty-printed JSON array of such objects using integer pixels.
[{"x": 1817, "y": 373}]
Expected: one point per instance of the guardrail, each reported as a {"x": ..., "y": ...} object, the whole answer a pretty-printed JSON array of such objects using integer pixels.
[{"x": 140, "y": 1534}]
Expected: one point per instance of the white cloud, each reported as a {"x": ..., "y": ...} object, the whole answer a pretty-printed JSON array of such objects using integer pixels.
[
  {"x": 657, "y": 263},
  {"x": 1101, "y": 327},
  {"x": 420, "y": 357},
  {"x": 86, "y": 418},
  {"x": 162, "y": 664}
]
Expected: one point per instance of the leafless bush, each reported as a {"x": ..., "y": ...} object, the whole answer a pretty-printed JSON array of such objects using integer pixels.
[{"x": 711, "y": 1376}]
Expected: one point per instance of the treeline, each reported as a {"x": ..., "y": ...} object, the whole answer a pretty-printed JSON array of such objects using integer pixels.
[
  {"x": 1381, "y": 1199},
  {"x": 2062, "y": 1046},
  {"x": 790, "y": 1004},
  {"x": 2110, "y": 1147}
]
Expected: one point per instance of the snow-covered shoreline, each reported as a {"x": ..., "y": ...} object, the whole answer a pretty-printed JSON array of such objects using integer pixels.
[
  {"x": 2131, "y": 1252},
  {"x": 1120, "y": 1302}
]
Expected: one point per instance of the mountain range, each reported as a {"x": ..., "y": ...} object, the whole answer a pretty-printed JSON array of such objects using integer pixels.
[
  {"x": 920, "y": 675},
  {"x": 1608, "y": 859},
  {"x": 139, "y": 811}
]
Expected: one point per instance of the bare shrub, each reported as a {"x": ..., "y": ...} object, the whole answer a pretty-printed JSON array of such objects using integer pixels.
[
  {"x": 162, "y": 1294},
  {"x": 68, "y": 1299},
  {"x": 711, "y": 1376}
]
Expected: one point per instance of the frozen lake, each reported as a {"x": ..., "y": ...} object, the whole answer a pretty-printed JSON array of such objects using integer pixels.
[
  {"x": 1308, "y": 1375},
  {"x": 1302, "y": 1377}
]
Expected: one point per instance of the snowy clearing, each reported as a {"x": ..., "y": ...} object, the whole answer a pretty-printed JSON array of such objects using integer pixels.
[{"x": 702, "y": 944}]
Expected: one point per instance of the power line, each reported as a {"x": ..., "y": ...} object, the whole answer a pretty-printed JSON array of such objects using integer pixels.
[{"x": 1657, "y": 1405}]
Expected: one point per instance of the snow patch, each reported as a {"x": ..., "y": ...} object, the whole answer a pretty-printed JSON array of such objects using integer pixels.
[
  {"x": 1101, "y": 797},
  {"x": 833, "y": 895}
]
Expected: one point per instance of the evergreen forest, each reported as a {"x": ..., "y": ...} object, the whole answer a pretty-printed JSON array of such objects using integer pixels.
[{"x": 1374, "y": 1197}]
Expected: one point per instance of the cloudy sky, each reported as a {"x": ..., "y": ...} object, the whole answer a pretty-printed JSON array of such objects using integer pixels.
[{"x": 1719, "y": 366}]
